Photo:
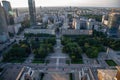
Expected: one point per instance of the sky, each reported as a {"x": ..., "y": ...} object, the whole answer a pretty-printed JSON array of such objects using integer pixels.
[{"x": 81, "y": 3}]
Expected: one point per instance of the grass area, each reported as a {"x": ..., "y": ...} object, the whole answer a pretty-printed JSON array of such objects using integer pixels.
[
  {"x": 16, "y": 60},
  {"x": 70, "y": 76},
  {"x": 80, "y": 61},
  {"x": 39, "y": 61},
  {"x": 111, "y": 63}
]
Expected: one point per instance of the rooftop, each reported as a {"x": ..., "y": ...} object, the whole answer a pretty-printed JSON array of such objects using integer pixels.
[
  {"x": 107, "y": 74},
  {"x": 11, "y": 73}
]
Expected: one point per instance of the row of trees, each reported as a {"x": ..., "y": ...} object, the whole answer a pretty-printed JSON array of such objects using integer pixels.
[
  {"x": 18, "y": 52},
  {"x": 38, "y": 35}
]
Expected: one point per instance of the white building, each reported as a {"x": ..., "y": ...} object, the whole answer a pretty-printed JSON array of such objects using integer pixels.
[
  {"x": 105, "y": 19},
  {"x": 83, "y": 23},
  {"x": 76, "y": 23}
]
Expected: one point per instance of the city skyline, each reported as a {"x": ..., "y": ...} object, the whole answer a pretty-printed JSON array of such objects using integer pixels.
[{"x": 77, "y": 3}]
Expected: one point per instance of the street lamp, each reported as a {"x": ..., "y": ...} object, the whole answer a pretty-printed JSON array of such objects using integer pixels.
[{"x": 107, "y": 52}]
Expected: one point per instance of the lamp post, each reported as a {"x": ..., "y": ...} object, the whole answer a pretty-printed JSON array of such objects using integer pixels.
[{"x": 107, "y": 52}]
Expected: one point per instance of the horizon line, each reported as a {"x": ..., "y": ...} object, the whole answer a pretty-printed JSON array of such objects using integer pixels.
[{"x": 73, "y": 6}]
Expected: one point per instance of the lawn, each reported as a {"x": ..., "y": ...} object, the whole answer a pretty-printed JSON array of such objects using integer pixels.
[
  {"x": 111, "y": 63},
  {"x": 39, "y": 61},
  {"x": 21, "y": 60},
  {"x": 79, "y": 61}
]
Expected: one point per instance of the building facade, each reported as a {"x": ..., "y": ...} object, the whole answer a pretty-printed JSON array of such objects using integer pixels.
[
  {"x": 3, "y": 26},
  {"x": 7, "y": 6},
  {"x": 40, "y": 31},
  {"x": 32, "y": 12},
  {"x": 83, "y": 24},
  {"x": 113, "y": 23},
  {"x": 8, "y": 12},
  {"x": 114, "y": 20}
]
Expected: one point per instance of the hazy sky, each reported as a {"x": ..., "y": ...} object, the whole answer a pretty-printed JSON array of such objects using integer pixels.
[{"x": 84, "y": 3}]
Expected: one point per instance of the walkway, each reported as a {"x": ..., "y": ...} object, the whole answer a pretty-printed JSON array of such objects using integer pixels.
[{"x": 57, "y": 58}]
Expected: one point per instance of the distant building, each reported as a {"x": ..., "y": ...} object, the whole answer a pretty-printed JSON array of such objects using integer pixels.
[
  {"x": 8, "y": 12},
  {"x": 76, "y": 23},
  {"x": 32, "y": 12},
  {"x": 3, "y": 26},
  {"x": 90, "y": 24},
  {"x": 105, "y": 19},
  {"x": 21, "y": 18},
  {"x": 113, "y": 23},
  {"x": 83, "y": 24},
  {"x": 14, "y": 28},
  {"x": 17, "y": 12}
]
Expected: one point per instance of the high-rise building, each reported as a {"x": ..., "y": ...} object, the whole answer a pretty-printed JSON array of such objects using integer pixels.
[
  {"x": 114, "y": 20},
  {"x": 8, "y": 12},
  {"x": 7, "y": 6},
  {"x": 17, "y": 12},
  {"x": 32, "y": 12},
  {"x": 3, "y": 26},
  {"x": 113, "y": 23}
]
